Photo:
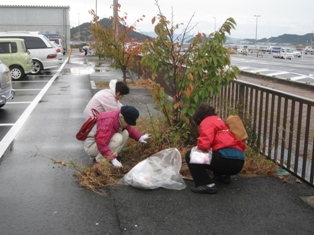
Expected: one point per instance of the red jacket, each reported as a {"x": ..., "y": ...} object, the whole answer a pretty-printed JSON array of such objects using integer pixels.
[
  {"x": 214, "y": 133},
  {"x": 107, "y": 126}
]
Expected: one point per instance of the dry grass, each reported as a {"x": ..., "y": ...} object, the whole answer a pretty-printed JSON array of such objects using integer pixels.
[{"x": 100, "y": 175}]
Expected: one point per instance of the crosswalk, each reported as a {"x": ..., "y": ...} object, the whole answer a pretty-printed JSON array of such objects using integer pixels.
[{"x": 266, "y": 69}]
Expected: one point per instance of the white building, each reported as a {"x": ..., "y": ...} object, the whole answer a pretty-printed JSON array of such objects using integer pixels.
[{"x": 44, "y": 19}]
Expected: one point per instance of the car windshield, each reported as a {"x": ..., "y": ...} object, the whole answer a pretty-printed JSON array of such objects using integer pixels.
[{"x": 24, "y": 47}]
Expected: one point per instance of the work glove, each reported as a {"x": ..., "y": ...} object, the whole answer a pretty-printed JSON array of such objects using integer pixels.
[
  {"x": 143, "y": 138},
  {"x": 116, "y": 163}
]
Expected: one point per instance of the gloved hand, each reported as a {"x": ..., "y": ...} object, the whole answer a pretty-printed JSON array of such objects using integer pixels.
[
  {"x": 143, "y": 138},
  {"x": 116, "y": 163}
]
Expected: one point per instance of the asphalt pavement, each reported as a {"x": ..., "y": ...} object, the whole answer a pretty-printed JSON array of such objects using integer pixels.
[{"x": 39, "y": 197}]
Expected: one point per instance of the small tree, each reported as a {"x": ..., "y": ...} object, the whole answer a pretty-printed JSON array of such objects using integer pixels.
[
  {"x": 115, "y": 42},
  {"x": 194, "y": 75}
]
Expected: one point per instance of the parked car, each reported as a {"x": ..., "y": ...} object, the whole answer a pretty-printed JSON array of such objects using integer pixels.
[
  {"x": 297, "y": 54},
  {"x": 284, "y": 53},
  {"x": 308, "y": 50},
  {"x": 42, "y": 51},
  {"x": 58, "y": 51},
  {"x": 6, "y": 91},
  {"x": 13, "y": 54},
  {"x": 59, "y": 42}
]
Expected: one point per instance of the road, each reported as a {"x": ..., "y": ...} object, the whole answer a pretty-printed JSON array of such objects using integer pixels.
[{"x": 298, "y": 69}]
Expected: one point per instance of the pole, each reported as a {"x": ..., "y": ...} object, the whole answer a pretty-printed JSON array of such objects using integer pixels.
[
  {"x": 215, "y": 23},
  {"x": 256, "y": 29},
  {"x": 96, "y": 8},
  {"x": 115, "y": 15}
]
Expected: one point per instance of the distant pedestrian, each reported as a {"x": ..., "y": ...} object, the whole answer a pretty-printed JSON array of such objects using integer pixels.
[
  {"x": 86, "y": 49},
  {"x": 110, "y": 133},
  {"x": 227, "y": 152},
  {"x": 107, "y": 99}
]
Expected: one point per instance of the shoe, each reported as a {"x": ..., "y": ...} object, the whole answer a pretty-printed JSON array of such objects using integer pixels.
[
  {"x": 226, "y": 179},
  {"x": 209, "y": 189},
  {"x": 119, "y": 157}
]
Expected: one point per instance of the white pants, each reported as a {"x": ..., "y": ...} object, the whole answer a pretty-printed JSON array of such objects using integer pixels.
[{"x": 116, "y": 143}]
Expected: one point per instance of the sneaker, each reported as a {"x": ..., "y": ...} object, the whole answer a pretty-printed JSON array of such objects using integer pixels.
[
  {"x": 209, "y": 189},
  {"x": 226, "y": 179},
  {"x": 119, "y": 157}
]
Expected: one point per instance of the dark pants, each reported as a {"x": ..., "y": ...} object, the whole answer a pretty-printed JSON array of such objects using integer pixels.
[{"x": 219, "y": 165}]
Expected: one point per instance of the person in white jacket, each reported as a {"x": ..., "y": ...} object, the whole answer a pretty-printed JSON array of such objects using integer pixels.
[{"x": 107, "y": 99}]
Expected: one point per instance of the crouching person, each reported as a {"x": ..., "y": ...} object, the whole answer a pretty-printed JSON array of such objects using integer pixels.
[
  {"x": 110, "y": 133},
  {"x": 227, "y": 152}
]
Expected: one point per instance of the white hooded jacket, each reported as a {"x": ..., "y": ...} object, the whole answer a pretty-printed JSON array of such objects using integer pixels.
[{"x": 104, "y": 100}]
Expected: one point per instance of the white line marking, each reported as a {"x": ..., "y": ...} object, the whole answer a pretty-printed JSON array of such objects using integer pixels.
[
  {"x": 21, "y": 102},
  {"x": 278, "y": 73},
  {"x": 9, "y": 137},
  {"x": 45, "y": 81},
  {"x": 298, "y": 77},
  {"x": 7, "y": 124},
  {"x": 261, "y": 70},
  {"x": 27, "y": 89}
]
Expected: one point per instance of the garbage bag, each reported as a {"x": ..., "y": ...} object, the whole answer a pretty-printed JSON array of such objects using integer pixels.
[{"x": 159, "y": 170}]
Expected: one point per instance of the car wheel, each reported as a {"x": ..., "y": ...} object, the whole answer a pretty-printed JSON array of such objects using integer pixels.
[
  {"x": 17, "y": 72},
  {"x": 1, "y": 105},
  {"x": 37, "y": 67}
]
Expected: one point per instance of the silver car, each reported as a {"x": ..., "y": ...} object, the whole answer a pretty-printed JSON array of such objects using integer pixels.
[{"x": 6, "y": 91}]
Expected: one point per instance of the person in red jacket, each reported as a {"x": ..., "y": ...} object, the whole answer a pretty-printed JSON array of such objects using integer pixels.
[
  {"x": 110, "y": 133},
  {"x": 227, "y": 152}
]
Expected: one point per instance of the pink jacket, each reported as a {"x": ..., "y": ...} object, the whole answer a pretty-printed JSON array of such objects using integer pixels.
[
  {"x": 107, "y": 125},
  {"x": 214, "y": 133},
  {"x": 104, "y": 100}
]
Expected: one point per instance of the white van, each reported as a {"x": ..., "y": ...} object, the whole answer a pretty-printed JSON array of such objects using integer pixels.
[
  {"x": 284, "y": 53},
  {"x": 42, "y": 51}
]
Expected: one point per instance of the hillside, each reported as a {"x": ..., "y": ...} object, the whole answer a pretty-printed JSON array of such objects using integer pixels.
[
  {"x": 286, "y": 39},
  {"x": 82, "y": 32}
]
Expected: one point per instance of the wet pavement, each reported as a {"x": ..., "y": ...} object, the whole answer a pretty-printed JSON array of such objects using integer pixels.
[{"x": 38, "y": 197}]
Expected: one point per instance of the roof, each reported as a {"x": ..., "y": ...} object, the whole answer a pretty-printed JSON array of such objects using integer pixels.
[{"x": 32, "y": 6}]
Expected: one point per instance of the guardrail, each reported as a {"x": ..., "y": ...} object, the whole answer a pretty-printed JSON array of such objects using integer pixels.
[{"x": 280, "y": 125}]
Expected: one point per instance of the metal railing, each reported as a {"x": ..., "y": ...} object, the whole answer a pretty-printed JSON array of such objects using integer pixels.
[{"x": 280, "y": 125}]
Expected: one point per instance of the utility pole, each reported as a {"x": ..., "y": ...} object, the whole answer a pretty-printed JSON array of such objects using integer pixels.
[
  {"x": 96, "y": 8},
  {"x": 79, "y": 27},
  {"x": 115, "y": 15},
  {"x": 256, "y": 29},
  {"x": 215, "y": 23}
]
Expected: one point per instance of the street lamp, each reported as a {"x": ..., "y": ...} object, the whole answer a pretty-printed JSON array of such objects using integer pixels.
[
  {"x": 96, "y": 8},
  {"x": 215, "y": 23},
  {"x": 256, "y": 28}
]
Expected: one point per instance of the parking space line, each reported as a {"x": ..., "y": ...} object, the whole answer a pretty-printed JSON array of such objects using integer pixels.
[
  {"x": 29, "y": 81},
  {"x": 278, "y": 73},
  {"x": 298, "y": 77},
  {"x": 9, "y": 137},
  {"x": 7, "y": 124},
  {"x": 18, "y": 102},
  {"x": 27, "y": 89}
]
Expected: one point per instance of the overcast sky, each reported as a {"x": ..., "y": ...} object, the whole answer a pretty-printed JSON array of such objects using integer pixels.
[{"x": 276, "y": 17}]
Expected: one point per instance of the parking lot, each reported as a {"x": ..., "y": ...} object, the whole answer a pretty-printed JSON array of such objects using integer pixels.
[{"x": 29, "y": 92}]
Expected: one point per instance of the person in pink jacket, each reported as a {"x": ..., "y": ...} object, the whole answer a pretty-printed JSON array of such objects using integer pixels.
[
  {"x": 107, "y": 99},
  {"x": 227, "y": 152},
  {"x": 110, "y": 133}
]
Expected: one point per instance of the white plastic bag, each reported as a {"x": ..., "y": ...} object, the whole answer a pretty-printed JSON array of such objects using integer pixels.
[
  {"x": 159, "y": 170},
  {"x": 197, "y": 156}
]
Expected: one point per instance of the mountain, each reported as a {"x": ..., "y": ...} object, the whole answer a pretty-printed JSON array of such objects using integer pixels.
[{"x": 82, "y": 33}]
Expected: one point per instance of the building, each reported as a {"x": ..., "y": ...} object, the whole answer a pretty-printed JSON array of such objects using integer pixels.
[{"x": 43, "y": 19}]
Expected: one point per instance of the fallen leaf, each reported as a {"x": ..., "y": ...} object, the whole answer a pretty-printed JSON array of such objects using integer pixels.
[{"x": 298, "y": 181}]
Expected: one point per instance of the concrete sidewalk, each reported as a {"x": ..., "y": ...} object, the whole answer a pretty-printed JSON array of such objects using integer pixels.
[{"x": 38, "y": 197}]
